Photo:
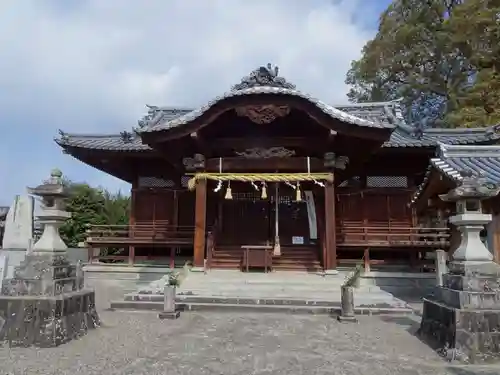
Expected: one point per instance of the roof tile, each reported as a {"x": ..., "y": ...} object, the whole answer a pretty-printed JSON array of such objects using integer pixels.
[
  {"x": 112, "y": 142},
  {"x": 451, "y": 160}
]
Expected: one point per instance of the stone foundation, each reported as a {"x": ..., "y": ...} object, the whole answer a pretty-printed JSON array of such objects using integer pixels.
[
  {"x": 45, "y": 304},
  {"x": 46, "y": 321},
  {"x": 470, "y": 335}
]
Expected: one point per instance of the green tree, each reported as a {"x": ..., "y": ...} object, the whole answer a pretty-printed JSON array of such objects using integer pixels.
[
  {"x": 432, "y": 54},
  {"x": 479, "y": 41},
  {"x": 89, "y": 205}
]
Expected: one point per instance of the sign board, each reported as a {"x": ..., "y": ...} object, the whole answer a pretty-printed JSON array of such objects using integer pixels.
[
  {"x": 297, "y": 240},
  {"x": 3, "y": 268}
]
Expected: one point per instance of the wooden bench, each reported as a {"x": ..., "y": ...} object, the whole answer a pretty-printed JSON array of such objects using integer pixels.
[{"x": 257, "y": 256}]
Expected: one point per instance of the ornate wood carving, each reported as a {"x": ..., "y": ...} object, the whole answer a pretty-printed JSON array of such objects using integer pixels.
[
  {"x": 266, "y": 153},
  {"x": 331, "y": 160},
  {"x": 197, "y": 162},
  {"x": 263, "y": 114}
]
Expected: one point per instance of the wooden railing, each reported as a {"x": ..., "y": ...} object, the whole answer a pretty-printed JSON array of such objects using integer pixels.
[
  {"x": 145, "y": 233},
  {"x": 392, "y": 236}
]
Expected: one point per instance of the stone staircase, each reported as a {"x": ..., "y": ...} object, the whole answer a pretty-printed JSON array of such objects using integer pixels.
[
  {"x": 292, "y": 258},
  {"x": 282, "y": 291}
]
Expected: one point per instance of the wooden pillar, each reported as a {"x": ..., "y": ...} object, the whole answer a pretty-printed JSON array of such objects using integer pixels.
[
  {"x": 330, "y": 228},
  {"x": 131, "y": 221},
  {"x": 175, "y": 223},
  {"x": 200, "y": 221}
]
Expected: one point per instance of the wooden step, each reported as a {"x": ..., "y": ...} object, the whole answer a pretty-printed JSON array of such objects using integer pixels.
[{"x": 292, "y": 258}]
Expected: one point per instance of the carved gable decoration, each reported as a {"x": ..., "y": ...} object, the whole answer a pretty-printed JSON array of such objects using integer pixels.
[
  {"x": 266, "y": 153},
  {"x": 263, "y": 76},
  {"x": 197, "y": 162},
  {"x": 263, "y": 114}
]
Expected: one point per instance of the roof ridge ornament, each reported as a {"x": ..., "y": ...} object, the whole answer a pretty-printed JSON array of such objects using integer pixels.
[
  {"x": 145, "y": 121},
  {"x": 263, "y": 76},
  {"x": 126, "y": 136}
]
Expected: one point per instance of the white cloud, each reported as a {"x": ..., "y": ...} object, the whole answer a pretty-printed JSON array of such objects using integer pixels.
[{"x": 90, "y": 66}]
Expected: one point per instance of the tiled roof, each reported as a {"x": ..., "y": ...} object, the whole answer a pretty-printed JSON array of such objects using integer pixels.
[
  {"x": 263, "y": 90},
  {"x": 408, "y": 136},
  {"x": 451, "y": 160},
  {"x": 387, "y": 114},
  {"x": 265, "y": 81},
  {"x": 124, "y": 141},
  {"x": 261, "y": 81},
  {"x": 383, "y": 113}
]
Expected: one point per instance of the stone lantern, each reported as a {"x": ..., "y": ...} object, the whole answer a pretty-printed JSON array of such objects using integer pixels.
[
  {"x": 470, "y": 219},
  {"x": 53, "y": 215},
  {"x": 463, "y": 315},
  {"x": 47, "y": 292}
]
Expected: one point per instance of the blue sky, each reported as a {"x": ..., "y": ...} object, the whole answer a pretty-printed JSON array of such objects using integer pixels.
[{"x": 90, "y": 66}]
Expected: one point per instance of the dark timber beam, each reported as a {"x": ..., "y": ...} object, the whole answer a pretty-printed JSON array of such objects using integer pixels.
[
  {"x": 202, "y": 144},
  {"x": 243, "y": 143},
  {"x": 296, "y": 164}
]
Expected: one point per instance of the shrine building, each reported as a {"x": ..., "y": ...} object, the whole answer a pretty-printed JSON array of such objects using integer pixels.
[{"x": 267, "y": 168}]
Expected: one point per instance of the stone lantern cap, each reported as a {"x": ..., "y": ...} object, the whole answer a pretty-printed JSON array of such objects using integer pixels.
[
  {"x": 471, "y": 187},
  {"x": 53, "y": 187}
]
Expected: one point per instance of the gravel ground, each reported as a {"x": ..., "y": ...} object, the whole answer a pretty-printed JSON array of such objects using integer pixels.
[{"x": 230, "y": 343}]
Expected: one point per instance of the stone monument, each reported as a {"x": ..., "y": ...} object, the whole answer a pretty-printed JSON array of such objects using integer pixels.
[
  {"x": 463, "y": 315},
  {"x": 44, "y": 303},
  {"x": 18, "y": 231}
]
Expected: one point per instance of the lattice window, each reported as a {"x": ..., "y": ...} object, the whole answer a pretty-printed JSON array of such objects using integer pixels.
[
  {"x": 387, "y": 181},
  {"x": 155, "y": 182},
  {"x": 184, "y": 181}
]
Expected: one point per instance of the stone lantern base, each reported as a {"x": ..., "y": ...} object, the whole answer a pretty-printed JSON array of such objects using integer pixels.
[
  {"x": 462, "y": 318},
  {"x": 45, "y": 304}
]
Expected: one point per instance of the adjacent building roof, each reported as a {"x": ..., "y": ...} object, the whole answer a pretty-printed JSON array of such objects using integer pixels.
[
  {"x": 123, "y": 142},
  {"x": 451, "y": 160},
  {"x": 266, "y": 81}
]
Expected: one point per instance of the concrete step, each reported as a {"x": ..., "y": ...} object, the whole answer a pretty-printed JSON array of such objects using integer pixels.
[
  {"x": 269, "y": 299},
  {"x": 297, "y": 268},
  {"x": 288, "y": 308},
  {"x": 225, "y": 260},
  {"x": 297, "y": 261}
]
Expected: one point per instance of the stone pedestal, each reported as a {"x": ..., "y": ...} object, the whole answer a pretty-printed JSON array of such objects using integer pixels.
[
  {"x": 463, "y": 317},
  {"x": 169, "y": 309},
  {"x": 45, "y": 303}
]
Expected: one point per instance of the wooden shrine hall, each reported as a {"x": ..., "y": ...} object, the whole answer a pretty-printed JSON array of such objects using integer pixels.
[{"x": 267, "y": 175}]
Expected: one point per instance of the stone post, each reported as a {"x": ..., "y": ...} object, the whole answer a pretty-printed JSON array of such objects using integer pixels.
[
  {"x": 347, "y": 304},
  {"x": 441, "y": 267},
  {"x": 169, "y": 309}
]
